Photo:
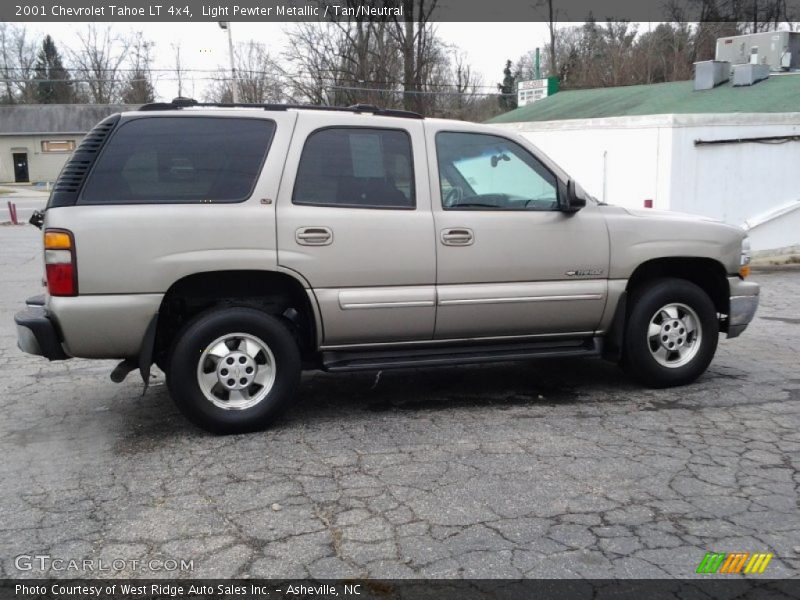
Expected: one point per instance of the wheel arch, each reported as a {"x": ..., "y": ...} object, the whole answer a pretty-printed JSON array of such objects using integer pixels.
[
  {"x": 276, "y": 293},
  {"x": 708, "y": 274}
]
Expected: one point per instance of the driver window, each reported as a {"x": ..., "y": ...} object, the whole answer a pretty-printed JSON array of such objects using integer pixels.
[{"x": 485, "y": 172}]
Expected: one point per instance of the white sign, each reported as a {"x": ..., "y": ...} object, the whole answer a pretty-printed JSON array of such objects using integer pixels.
[{"x": 531, "y": 91}]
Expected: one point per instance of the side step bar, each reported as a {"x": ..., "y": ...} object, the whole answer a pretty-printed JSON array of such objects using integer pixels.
[{"x": 361, "y": 360}]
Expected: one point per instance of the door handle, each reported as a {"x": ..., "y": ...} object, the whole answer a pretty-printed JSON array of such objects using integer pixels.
[
  {"x": 460, "y": 236},
  {"x": 313, "y": 236}
]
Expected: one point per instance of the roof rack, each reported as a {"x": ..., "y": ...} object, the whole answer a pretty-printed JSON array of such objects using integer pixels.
[{"x": 179, "y": 103}]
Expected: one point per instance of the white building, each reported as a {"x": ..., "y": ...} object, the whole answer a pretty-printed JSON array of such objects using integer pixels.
[
  {"x": 37, "y": 139},
  {"x": 636, "y": 144}
]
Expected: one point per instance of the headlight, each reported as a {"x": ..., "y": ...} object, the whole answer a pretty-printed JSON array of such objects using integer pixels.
[{"x": 744, "y": 260}]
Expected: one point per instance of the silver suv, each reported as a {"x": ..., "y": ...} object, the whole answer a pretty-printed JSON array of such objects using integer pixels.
[{"x": 234, "y": 246}]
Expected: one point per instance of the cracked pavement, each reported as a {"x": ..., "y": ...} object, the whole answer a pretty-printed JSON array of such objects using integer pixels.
[{"x": 552, "y": 468}]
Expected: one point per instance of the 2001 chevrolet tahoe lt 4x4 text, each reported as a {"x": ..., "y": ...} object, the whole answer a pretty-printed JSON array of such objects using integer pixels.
[{"x": 234, "y": 246}]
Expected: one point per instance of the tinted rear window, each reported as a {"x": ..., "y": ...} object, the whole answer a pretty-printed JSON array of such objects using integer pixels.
[
  {"x": 356, "y": 168},
  {"x": 180, "y": 159}
]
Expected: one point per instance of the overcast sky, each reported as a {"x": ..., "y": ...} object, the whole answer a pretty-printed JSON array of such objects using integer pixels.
[{"x": 205, "y": 45}]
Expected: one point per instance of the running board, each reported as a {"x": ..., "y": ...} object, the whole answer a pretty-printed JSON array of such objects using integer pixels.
[{"x": 361, "y": 360}]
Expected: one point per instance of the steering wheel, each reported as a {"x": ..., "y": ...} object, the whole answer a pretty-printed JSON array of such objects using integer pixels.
[{"x": 453, "y": 196}]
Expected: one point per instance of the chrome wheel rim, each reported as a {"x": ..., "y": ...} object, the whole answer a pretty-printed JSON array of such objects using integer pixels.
[
  {"x": 674, "y": 335},
  {"x": 236, "y": 371}
]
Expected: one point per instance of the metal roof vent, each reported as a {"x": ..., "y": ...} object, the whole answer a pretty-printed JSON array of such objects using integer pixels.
[
  {"x": 749, "y": 74},
  {"x": 708, "y": 74}
]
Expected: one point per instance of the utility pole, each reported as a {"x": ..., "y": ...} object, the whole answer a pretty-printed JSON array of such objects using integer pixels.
[{"x": 234, "y": 87}]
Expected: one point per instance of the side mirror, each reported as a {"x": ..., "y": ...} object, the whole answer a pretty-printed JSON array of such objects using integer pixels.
[{"x": 575, "y": 199}]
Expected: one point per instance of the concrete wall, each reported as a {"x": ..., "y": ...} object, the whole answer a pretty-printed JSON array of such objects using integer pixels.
[
  {"x": 42, "y": 166},
  {"x": 656, "y": 157}
]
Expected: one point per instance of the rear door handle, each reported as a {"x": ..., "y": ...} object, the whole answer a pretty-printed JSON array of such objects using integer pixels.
[
  {"x": 460, "y": 236},
  {"x": 313, "y": 236}
]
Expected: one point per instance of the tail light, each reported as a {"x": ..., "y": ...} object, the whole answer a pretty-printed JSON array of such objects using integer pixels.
[{"x": 59, "y": 262}]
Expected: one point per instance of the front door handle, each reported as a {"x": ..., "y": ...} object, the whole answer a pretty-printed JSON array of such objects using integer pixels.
[
  {"x": 459, "y": 236},
  {"x": 313, "y": 236}
]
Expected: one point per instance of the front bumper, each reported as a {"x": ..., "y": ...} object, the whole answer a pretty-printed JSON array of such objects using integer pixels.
[
  {"x": 743, "y": 305},
  {"x": 37, "y": 334}
]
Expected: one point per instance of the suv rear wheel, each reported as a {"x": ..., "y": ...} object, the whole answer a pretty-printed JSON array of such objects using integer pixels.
[
  {"x": 671, "y": 334},
  {"x": 232, "y": 370}
]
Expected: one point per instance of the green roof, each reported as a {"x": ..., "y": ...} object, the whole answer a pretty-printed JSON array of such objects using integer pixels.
[{"x": 779, "y": 93}]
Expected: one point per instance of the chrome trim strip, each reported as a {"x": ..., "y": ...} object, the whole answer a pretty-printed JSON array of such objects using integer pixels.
[
  {"x": 399, "y": 304},
  {"x": 457, "y": 341},
  {"x": 516, "y": 299}
]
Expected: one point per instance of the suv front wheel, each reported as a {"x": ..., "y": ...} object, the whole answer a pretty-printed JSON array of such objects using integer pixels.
[
  {"x": 232, "y": 370},
  {"x": 671, "y": 334}
]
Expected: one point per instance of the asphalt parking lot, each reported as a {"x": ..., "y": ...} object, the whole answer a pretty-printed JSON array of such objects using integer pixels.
[{"x": 537, "y": 469}]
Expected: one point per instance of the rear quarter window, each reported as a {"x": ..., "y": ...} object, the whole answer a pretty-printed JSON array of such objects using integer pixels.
[{"x": 180, "y": 160}]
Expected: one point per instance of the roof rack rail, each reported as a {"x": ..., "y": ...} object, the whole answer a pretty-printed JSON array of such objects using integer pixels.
[{"x": 179, "y": 103}]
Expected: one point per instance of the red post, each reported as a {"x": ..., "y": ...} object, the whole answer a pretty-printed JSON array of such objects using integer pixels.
[{"x": 14, "y": 214}]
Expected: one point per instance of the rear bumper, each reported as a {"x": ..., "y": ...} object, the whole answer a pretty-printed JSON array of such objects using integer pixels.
[
  {"x": 36, "y": 334},
  {"x": 743, "y": 305}
]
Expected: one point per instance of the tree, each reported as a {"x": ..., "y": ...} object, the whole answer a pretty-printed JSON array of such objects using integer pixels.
[
  {"x": 665, "y": 53},
  {"x": 552, "y": 30},
  {"x": 369, "y": 60},
  {"x": 313, "y": 64},
  {"x": 342, "y": 63},
  {"x": 53, "y": 85},
  {"x": 508, "y": 89},
  {"x": 462, "y": 103},
  {"x": 179, "y": 70},
  {"x": 17, "y": 64},
  {"x": 417, "y": 41},
  {"x": 258, "y": 79},
  {"x": 97, "y": 61},
  {"x": 389, "y": 63},
  {"x": 138, "y": 85}
]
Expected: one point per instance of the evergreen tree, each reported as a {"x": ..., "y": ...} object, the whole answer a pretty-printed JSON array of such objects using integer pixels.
[
  {"x": 53, "y": 80},
  {"x": 138, "y": 89},
  {"x": 509, "y": 86}
]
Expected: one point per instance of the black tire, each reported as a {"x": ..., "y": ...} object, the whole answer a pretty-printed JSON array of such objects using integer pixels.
[
  {"x": 638, "y": 360},
  {"x": 185, "y": 356}
]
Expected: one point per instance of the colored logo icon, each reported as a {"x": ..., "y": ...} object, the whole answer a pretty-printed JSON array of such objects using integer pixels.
[{"x": 734, "y": 562}]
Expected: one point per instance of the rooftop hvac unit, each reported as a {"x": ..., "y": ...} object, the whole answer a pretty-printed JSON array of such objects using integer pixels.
[{"x": 780, "y": 50}]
